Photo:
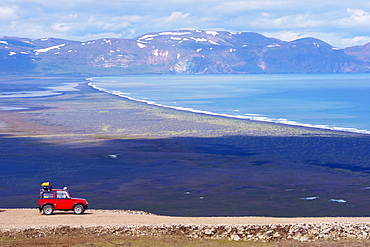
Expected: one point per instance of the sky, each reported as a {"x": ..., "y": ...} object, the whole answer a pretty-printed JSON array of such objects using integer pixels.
[{"x": 340, "y": 23}]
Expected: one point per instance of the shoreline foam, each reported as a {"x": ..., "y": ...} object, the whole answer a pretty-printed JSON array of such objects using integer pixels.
[{"x": 252, "y": 117}]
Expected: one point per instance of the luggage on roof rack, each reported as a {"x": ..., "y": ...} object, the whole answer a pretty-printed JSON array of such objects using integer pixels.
[{"x": 45, "y": 186}]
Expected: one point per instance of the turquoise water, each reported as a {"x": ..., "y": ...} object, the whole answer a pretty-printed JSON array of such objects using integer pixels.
[{"x": 333, "y": 101}]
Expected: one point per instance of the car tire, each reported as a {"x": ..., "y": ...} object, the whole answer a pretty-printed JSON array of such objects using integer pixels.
[
  {"x": 48, "y": 209},
  {"x": 78, "y": 209}
]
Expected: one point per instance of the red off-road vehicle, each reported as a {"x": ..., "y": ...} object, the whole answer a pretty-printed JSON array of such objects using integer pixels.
[{"x": 59, "y": 199}]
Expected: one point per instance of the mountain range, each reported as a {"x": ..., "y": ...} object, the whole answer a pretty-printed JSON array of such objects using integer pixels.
[{"x": 180, "y": 52}]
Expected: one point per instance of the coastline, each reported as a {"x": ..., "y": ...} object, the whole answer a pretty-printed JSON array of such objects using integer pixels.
[
  {"x": 172, "y": 162},
  {"x": 60, "y": 90},
  {"x": 253, "y": 117},
  {"x": 261, "y": 120},
  {"x": 71, "y": 90}
]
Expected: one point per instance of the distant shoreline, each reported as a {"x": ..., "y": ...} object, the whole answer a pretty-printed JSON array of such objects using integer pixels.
[
  {"x": 243, "y": 118},
  {"x": 71, "y": 86}
]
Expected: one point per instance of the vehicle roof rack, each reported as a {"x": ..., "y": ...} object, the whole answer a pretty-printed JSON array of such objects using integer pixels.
[{"x": 45, "y": 186}]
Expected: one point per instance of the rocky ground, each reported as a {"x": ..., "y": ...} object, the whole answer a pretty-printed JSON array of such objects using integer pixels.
[{"x": 29, "y": 223}]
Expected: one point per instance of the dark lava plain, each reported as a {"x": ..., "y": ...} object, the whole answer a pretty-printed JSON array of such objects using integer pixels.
[{"x": 121, "y": 154}]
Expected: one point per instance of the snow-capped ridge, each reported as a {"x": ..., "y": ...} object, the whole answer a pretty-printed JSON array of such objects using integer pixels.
[{"x": 183, "y": 51}]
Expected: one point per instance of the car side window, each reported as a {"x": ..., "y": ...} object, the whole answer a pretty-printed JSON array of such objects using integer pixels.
[
  {"x": 62, "y": 195},
  {"x": 47, "y": 195}
]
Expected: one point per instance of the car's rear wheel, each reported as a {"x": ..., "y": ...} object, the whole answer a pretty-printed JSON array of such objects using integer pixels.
[
  {"x": 48, "y": 209},
  {"x": 78, "y": 209}
]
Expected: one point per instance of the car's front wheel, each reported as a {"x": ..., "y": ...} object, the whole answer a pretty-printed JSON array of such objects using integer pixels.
[
  {"x": 48, "y": 209},
  {"x": 78, "y": 209}
]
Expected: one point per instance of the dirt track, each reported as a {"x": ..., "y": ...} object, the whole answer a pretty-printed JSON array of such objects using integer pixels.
[{"x": 26, "y": 218}]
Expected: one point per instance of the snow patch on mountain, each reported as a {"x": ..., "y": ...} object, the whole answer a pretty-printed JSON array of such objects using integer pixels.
[
  {"x": 148, "y": 37},
  {"x": 49, "y": 48},
  {"x": 199, "y": 39},
  {"x": 140, "y": 45},
  {"x": 108, "y": 41},
  {"x": 214, "y": 33},
  {"x": 212, "y": 42}
]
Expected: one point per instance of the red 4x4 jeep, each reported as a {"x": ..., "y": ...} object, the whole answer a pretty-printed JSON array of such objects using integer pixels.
[{"x": 57, "y": 199}]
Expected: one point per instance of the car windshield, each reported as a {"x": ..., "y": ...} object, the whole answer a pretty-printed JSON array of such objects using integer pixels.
[{"x": 62, "y": 195}]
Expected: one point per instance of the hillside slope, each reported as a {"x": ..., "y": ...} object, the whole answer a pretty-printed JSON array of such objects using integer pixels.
[{"x": 179, "y": 52}]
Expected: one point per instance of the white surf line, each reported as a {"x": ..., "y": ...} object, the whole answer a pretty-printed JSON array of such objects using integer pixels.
[{"x": 254, "y": 117}]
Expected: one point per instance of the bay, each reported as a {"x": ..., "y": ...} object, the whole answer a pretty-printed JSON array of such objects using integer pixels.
[{"x": 330, "y": 101}]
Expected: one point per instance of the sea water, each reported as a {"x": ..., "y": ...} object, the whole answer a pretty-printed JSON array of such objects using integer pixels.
[
  {"x": 54, "y": 90},
  {"x": 330, "y": 101}
]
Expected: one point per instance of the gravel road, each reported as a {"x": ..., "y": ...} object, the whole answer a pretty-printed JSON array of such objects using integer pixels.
[{"x": 31, "y": 218}]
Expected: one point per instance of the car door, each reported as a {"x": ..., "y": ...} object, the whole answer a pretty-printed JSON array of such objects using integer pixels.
[
  {"x": 48, "y": 197},
  {"x": 63, "y": 200}
]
